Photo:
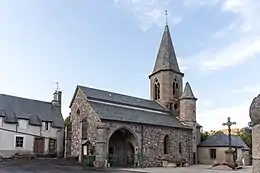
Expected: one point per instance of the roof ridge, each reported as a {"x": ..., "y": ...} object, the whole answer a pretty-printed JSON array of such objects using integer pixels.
[
  {"x": 112, "y": 92},
  {"x": 18, "y": 97}
]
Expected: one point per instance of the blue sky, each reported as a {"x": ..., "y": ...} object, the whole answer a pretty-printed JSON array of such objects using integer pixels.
[{"x": 112, "y": 45}]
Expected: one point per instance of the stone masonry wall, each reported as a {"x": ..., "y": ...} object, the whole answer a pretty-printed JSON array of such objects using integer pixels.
[
  {"x": 166, "y": 79},
  {"x": 153, "y": 146},
  {"x": 80, "y": 110},
  {"x": 246, "y": 156}
]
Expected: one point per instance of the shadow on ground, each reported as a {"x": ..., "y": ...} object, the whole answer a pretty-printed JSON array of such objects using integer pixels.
[{"x": 48, "y": 166}]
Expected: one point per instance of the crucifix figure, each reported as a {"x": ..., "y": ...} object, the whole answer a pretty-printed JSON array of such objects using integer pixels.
[{"x": 229, "y": 124}]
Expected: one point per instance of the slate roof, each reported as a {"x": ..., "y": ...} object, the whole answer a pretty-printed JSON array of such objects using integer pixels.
[
  {"x": 128, "y": 108},
  {"x": 13, "y": 108},
  {"x": 220, "y": 139},
  {"x": 166, "y": 57},
  {"x": 112, "y": 97},
  {"x": 118, "y": 113},
  {"x": 187, "y": 93}
]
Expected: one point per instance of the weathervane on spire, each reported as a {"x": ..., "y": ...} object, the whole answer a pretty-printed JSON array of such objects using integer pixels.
[
  {"x": 57, "y": 86},
  {"x": 166, "y": 16}
]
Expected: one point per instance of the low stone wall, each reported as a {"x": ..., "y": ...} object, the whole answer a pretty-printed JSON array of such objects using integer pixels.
[
  {"x": 247, "y": 158},
  {"x": 11, "y": 153}
]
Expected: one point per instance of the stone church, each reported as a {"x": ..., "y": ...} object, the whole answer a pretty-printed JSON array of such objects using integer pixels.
[{"x": 122, "y": 130}]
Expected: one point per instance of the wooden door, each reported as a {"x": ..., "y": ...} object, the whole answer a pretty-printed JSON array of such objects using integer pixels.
[
  {"x": 52, "y": 146},
  {"x": 38, "y": 146}
]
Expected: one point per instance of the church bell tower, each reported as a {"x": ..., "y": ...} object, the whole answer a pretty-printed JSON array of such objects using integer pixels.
[{"x": 166, "y": 78}]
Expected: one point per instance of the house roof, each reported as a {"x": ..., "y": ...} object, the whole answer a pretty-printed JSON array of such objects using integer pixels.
[
  {"x": 13, "y": 108},
  {"x": 128, "y": 114},
  {"x": 166, "y": 57},
  {"x": 219, "y": 139}
]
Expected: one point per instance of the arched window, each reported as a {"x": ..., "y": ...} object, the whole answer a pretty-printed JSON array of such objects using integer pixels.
[
  {"x": 156, "y": 89},
  {"x": 175, "y": 87},
  {"x": 78, "y": 112},
  {"x": 166, "y": 144}
]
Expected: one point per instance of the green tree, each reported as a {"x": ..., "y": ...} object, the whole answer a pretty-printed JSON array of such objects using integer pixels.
[
  {"x": 67, "y": 121},
  {"x": 246, "y": 135},
  {"x": 204, "y": 136}
]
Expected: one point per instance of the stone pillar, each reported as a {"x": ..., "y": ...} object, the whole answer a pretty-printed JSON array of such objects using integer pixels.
[
  {"x": 254, "y": 114},
  {"x": 256, "y": 148},
  {"x": 101, "y": 146},
  {"x": 230, "y": 156},
  {"x": 60, "y": 143},
  {"x": 66, "y": 142}
]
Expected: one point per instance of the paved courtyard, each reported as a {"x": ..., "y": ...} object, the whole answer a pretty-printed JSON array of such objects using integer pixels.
[
  {"x": 62, "y": 166},
  {"x": 192, "y": 169},
  {"x": 46, "y": 166}
]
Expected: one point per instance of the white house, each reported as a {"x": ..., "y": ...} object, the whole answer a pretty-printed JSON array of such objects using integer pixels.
[{"x": 30, "y": 126}]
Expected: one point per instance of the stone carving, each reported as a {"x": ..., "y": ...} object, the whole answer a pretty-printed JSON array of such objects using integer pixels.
[{"x": 254, "y": 111}]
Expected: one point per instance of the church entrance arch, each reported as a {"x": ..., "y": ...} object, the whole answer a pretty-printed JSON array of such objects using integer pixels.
[{"x": 121, "y": 149}]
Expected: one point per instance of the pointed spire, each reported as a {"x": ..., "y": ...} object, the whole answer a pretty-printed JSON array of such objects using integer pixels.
[
  {"x": 187, "y": 93},
  {"x": 166, "y": 57}
]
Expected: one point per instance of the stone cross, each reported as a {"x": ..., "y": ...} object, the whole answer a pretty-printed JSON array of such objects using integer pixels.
[{"x": 229, "y": 124}]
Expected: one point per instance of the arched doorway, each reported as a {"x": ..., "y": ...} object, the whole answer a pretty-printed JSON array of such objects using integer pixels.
[{"x": 121, "y": 148}]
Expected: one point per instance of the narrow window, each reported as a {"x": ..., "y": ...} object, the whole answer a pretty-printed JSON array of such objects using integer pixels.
[
  {"x": 171, "y": 106},
  {"x": 156, "y": 90},
  {"x": 180, "y": 147},
  {"x": 166, "y": 144},
  {"x": 173, "y": 89},
  {"x": 213, "y": 153},
  {"x": 19, "y": 141},
  {"x": 46, "y": 125},
  {"x": 175, "y": 106},
  {"x": 78, "y": 111}
]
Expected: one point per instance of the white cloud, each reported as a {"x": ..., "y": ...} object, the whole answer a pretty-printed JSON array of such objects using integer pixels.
[
  {"x": 243, "y": 33},
  {"x": 248, "y": 89},
  {"x": 195, "y": 3},
  {"x": 149, "y": 12},
  {"x": 236, "y": 53},
  {"x": 212, "y": 119},
  {"x": 247, "y": 44}
]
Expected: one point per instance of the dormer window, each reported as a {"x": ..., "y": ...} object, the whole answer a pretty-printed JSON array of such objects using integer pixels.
[{"x": 46, "y": 125}]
